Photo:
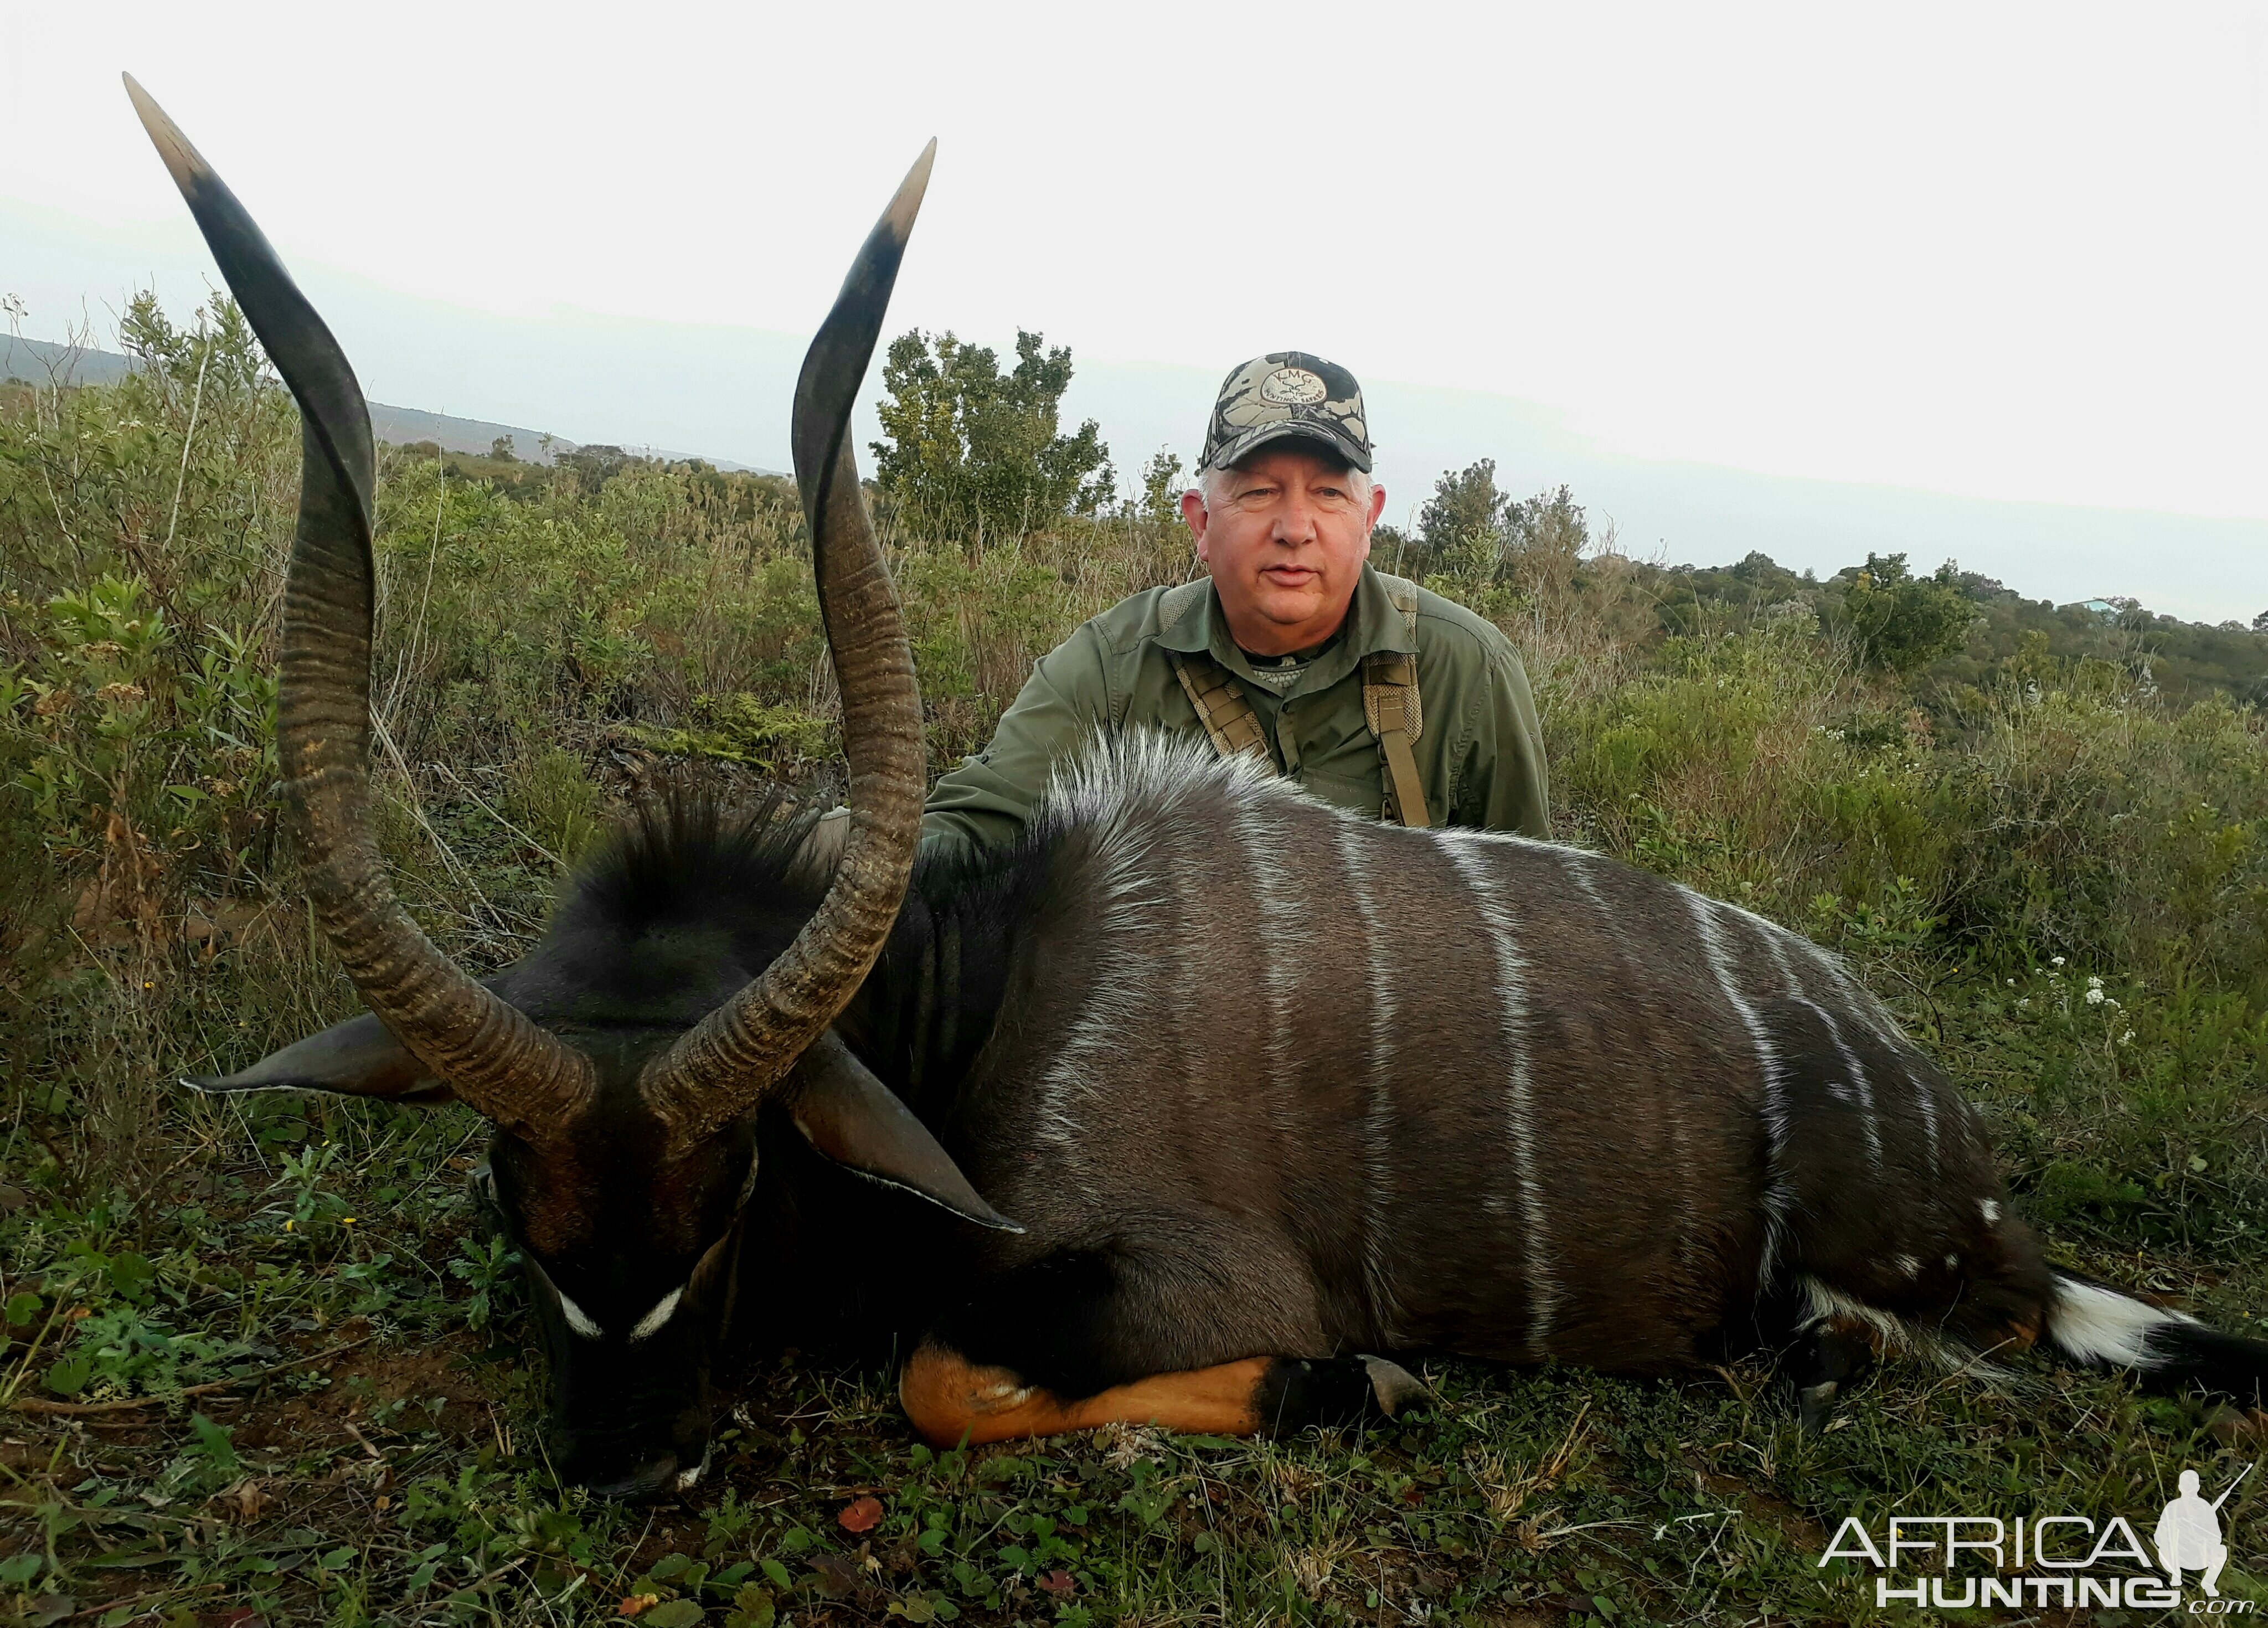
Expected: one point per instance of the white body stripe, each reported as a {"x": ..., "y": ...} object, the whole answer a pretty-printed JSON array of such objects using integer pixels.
[
  {"x": 1130, "y": 923},
  {"x": 1777, "y": 1197},
  {"x": 1471, "y": 862},
  {"x": 1283, "y": 931},
  {"x": 1378, "y": 1088},
  {"x": 1927, "y": 1099},
  {"x": 1771, "y": 932},
  {"x": 1580, "y": 863},
  {"x": 1863, "y": 1093}
]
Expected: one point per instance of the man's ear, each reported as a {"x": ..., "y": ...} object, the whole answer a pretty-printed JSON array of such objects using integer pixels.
[
  {"x": 857, "y": 1122},
  {"x": 1195, "y": 516},
  {"x": 356, "y": 1058}
]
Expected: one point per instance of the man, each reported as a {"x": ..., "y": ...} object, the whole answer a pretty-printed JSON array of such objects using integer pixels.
[
  {"x": 1296, "y": 651},
  {"x": 1368, "y": 691}
]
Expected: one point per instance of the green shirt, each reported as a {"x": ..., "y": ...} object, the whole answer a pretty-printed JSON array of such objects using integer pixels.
[{"x": 1480, "y": 752}]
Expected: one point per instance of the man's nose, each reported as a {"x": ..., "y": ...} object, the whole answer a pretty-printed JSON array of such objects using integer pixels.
[{"x": 1296, "y": 523}]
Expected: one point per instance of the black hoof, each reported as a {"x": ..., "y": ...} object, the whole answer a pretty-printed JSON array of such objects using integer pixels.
[
  {"x": 1334, "y": 1392},
  {"x": 1821, "y": 1365},
  {"x": 1397, "y": 1390}
]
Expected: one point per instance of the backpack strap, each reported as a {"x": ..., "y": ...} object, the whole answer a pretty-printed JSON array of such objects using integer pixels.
[
  {"x": 1228, "y": 716},
  {"x": 1392, "y": 708}
]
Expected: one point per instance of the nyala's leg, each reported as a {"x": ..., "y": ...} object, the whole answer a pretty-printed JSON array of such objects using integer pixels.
[
  {"x": 1826, "y": 1358},
  {"x": 1074, "y": 1343},
  {"x": 951, "y": 1399}
]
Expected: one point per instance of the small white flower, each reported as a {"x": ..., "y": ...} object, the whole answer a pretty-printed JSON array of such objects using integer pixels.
[
  {"x": 2055, "y": 961},
  {"x": 2126, "y": 1039},
  {"x": 2095, "y": 983},
  {"x": 2094, "y": 997},
  {"x": 2011, "y": 983},
  {"x": 2024, "y": 1004}
]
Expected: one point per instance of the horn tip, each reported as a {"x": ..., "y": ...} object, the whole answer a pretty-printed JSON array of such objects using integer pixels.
[
  {"x": 183, "y": 161},
  {"x": 908, "y": 203}
]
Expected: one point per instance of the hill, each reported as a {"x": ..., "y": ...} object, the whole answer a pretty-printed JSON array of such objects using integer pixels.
[
  {"x": 34, "y": 361},
  {"x": 2009, "y": 634}
]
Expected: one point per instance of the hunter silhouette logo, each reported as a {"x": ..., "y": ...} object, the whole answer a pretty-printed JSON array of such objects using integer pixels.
[
  {"x": 2042, "y": 1560},
  {"x": 2189, "y": 1534}
]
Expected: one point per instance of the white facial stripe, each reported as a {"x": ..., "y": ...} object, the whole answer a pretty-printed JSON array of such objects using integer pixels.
[
  {"x": 577, "y": 1319},
  {"x": 664, "y": 1309}
]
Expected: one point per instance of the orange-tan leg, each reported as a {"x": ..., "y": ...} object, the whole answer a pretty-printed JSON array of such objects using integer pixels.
[{"x": 950, "y": 1399}]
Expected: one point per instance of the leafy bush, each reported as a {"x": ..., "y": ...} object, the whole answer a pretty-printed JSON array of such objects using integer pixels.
[
  {"x": 974, "y": 452},
  {"x": 1898, "y": 622}
]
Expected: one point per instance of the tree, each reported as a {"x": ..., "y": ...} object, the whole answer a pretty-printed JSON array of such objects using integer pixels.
[
  {"x": 1901, "y": 621},
  {"x": 1162, "y": 486},
  {"x": 972, "y": 449},
  {"x": 1461, "y": 530},
  {"x": 1544, "y": 540},
  {"x": 1470, "y": 529},
  {"x": 2260, "y": 622}
]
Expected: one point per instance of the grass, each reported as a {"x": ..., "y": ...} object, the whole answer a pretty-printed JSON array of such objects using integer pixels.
[{"x": 261, "y": 1367}]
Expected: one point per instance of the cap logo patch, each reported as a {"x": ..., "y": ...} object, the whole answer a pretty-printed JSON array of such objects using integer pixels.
[{"x": 1292, "y": 386}]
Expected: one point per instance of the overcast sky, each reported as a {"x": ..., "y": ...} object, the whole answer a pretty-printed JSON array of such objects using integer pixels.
[{"x": 2012, "y": 252}]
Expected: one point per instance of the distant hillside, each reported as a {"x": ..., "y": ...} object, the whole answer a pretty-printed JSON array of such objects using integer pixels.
[
  {"x": 2188, "y": 661},
  {"x": 36, "y": 361}
]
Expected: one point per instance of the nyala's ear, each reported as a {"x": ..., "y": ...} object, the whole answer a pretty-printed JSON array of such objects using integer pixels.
[
  {"x": 856, "y": 1120},
  {"x": 356, "y": 1058}
]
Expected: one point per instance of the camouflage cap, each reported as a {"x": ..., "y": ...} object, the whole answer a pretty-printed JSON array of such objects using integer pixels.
[{"x": 1284, "y": 395}]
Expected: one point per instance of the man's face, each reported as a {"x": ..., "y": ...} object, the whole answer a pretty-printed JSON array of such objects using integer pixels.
[{"x": 1286, "y": 544}]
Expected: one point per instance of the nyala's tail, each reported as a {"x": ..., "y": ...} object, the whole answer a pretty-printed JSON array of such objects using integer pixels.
[{"x": 2097, "y": 1325}]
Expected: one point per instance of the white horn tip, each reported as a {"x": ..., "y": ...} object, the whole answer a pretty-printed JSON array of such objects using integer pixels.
[
  {"x": 908, "y": 203},
  {"x": 183, "y": 161}
]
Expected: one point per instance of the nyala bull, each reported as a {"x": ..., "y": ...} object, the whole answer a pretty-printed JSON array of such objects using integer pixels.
[{"x": 1193, "y": 1107}]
